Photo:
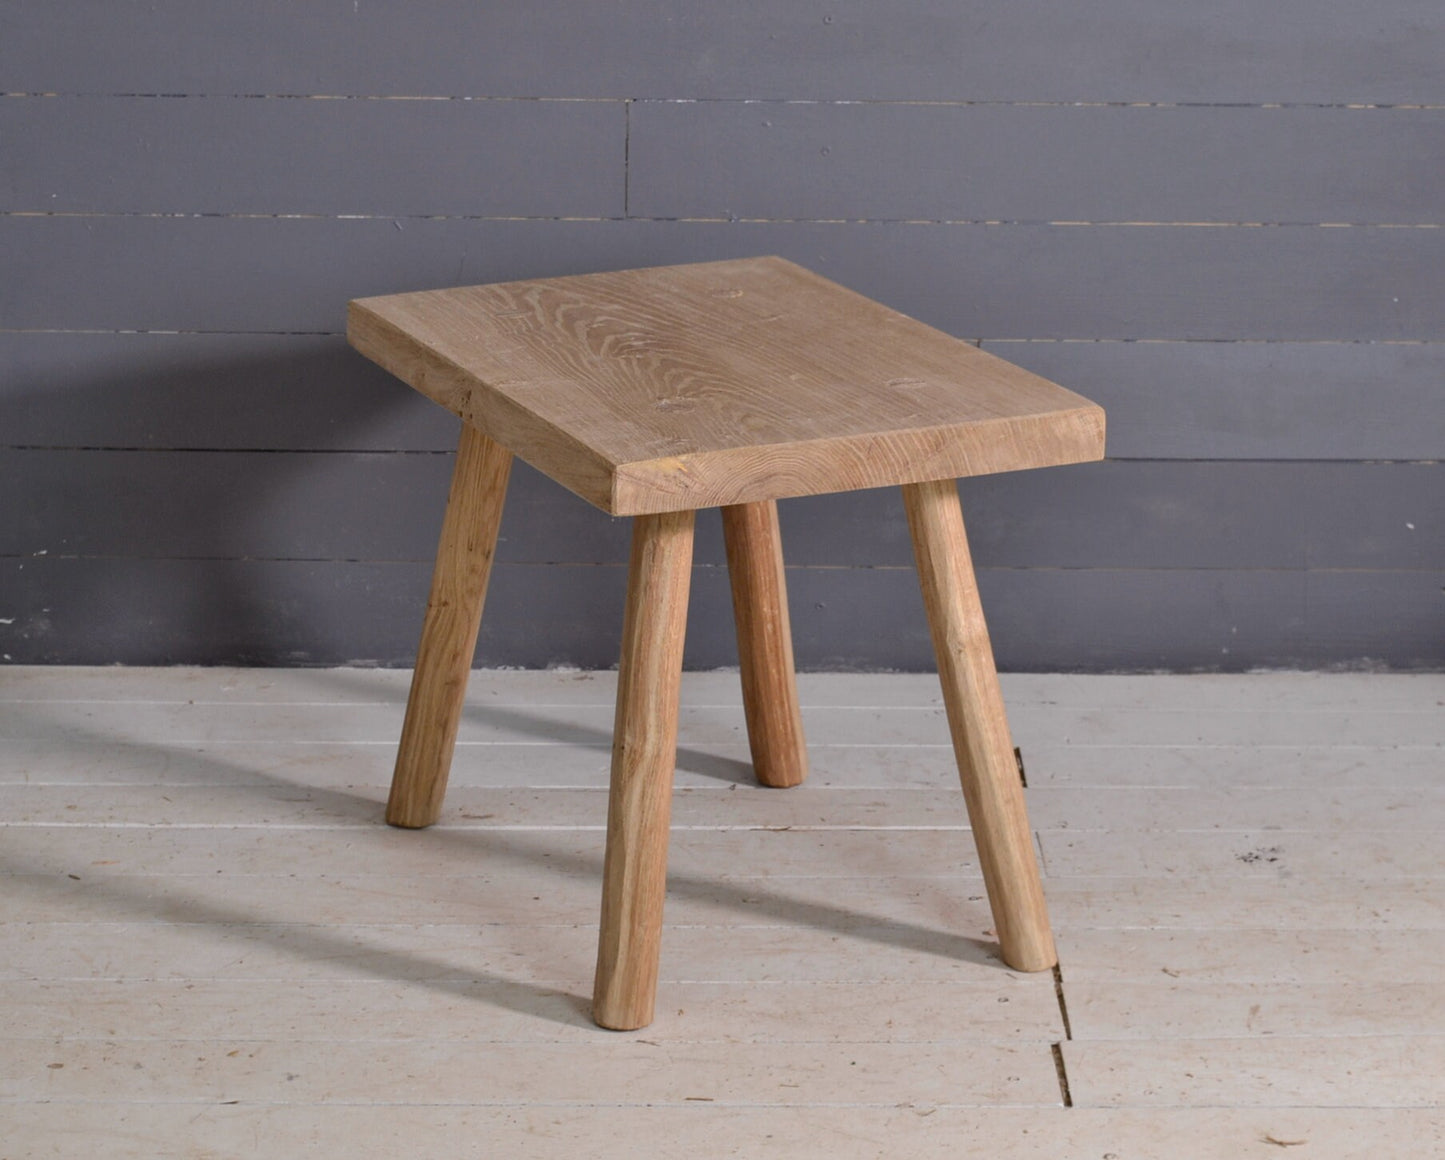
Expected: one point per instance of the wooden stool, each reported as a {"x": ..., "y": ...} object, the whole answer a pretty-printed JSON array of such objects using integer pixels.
[{"x": 652, "y": 393}]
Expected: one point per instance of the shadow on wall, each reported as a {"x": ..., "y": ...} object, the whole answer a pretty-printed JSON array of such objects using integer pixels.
[
  {"x": 193, "y": 497},
  {"x": 274, "y": 499}
]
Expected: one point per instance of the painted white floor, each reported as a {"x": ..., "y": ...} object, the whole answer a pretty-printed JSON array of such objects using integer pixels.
[{"x": 211, "y": 945}]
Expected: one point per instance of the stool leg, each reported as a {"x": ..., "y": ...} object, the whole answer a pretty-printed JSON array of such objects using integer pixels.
[
  {"x": 449, "y": 633},
  {"x": 765, "y": 643},
  {"x": 981, "y": 741},
  {"x": 644, "y": 754}
]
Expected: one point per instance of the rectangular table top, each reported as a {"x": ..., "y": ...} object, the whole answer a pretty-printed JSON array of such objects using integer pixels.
[{"x": 714, "y": 383}]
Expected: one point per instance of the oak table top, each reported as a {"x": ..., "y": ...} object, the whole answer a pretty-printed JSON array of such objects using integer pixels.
[{"x": 715, "y": 383}]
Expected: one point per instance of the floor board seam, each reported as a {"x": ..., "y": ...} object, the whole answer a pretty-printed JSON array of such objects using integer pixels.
[
  {"x": 1063, "y": 1006},
  {"x": 1062, "y": 1071}
]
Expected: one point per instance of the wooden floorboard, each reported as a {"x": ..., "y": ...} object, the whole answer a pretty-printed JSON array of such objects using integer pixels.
[
  {"x": 737, "y": 806},
  {"x": 78, "y": 722},
  {"x": 171, "y": 1131},
  {"x": 996, "y": 1007},
  {"x": 210, "y": 944},
  {"x": 487, "y": 890},
  {"x": 1376, "y": 1071},
  {"x": 1238, "y": 1010},
  {"x": 638, "y": 1070}
]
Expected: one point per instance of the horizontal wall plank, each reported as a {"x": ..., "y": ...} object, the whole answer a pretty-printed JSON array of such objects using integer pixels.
[
  {"x": 232, "y": 155},
  {"x": 104, "y": 611},
  {"x": 1154, "y": 514},
  {"x": 1165, "y": 400},
  {"x": 1215, "y": 618},
  {"x": 373, "y": 506},
  {"x": 1202, "y": 514},
  {"x": 1253, "y": 400},
  {"x": 1035, "y": 162},
  {"x": 999, "y": 50},
  {"x": 1127, "y": 514},
  {"x": 267, "y": 504},
  {"x": 282, "y": 275},
  {"x": 1353, "y": 613},
  {"x": 1027, "y": 281},
  {"x": 272, "y": 391}
]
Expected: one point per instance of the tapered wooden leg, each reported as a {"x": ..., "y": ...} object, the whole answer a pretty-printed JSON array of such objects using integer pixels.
[
  {"x": 644, "y": 754},
  {"x": 765, "y": 643},
  {"x": 986, "y": 765},
  {"x": 449, "y": 633}
]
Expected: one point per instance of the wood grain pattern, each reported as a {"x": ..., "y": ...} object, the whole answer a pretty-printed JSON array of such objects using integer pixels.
[
  {"x": 719, "y": 383},
  {"x": 979, "y": 727},
  {"x": 644, "y": 750},
  {"x": 765, "y": 643},
  {"x": 449, "y": 633}
]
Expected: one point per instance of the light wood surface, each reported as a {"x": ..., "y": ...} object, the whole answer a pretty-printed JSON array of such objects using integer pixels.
[
  {"x": 981, "y": 741},
  {"x": 1358, "y": 698},
  {"x": 194, "y": 866},
  {"x": 765, "y": 643},
  {"x": 644, "y": 751},
  {"x": 928, "y": 1132},
  {"x": 914, "y": 798},
  {"x": 1377, "y": 1071},
  {"x": 449, "y": 633},
  {"x": 1283, "y": 736},
  {"x": 1243, "y": 1010},
  {"x": 719, "y": 383},
  {"x": 774, "y": 852},
  {"x": 998, "y": 1009}
]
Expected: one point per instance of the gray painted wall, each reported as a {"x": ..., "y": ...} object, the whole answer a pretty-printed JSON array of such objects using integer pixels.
[{"x": 1223, "y": 222}]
